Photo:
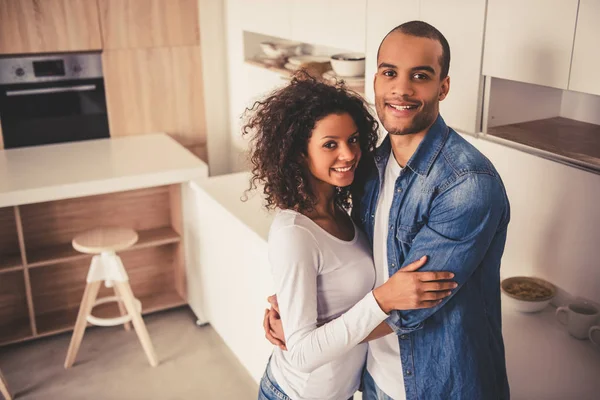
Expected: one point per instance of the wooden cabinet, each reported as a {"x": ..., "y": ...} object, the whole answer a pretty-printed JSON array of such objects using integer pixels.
[
  {"x": 34, "y": 26},
  {"x": 530, "y": 40},
  {"x": 382, "y": 17},
  {"x": 333, "y": 23},
  {"x": 148, "y": 23},
  {"x": 464, "y": 31},
  {"x": 586, "y": 57},
  {"x": 156, "y": 90}
]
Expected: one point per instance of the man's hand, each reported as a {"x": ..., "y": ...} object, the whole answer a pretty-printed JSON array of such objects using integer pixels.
[
  {"x": 410, "y": 290},
  {"x": 272, "y": 324}
]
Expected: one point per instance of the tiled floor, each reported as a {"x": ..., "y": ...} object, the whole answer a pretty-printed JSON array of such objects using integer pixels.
[{"x": 194, "y": 364}]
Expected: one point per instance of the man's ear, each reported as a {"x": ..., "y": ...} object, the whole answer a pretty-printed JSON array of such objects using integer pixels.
[{"x": 444, "y": 88}]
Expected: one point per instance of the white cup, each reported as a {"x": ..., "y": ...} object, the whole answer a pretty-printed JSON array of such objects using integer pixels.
[
  {"x": 594, "y": 335},
  {"x": 578, "y": 318}
]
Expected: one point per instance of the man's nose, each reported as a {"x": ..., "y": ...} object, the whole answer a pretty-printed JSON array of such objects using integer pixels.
[{"x": 403, "y": 87}]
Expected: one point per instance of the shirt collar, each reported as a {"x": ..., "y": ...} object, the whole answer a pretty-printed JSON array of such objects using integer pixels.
[{"x": 428, "y": 150}]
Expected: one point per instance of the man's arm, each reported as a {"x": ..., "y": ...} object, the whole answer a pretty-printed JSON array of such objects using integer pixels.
[{"x": 462, "y": 224}]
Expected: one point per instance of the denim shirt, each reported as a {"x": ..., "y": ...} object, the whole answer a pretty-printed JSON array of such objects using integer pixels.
[{"x": 449, "y": 204}]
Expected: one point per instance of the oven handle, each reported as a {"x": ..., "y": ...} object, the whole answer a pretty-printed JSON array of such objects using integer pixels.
[{"x": 24, "y": 92}]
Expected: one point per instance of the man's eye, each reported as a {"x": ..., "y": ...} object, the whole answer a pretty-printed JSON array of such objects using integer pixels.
[
  {"x": 330, "y": 145},
  {"x": 389, "y": 73},
  {"x": 421, "y": 77}
]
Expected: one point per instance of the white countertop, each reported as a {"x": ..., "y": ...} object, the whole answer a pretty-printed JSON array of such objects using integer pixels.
[
  {"x": 543, "y": 361},
  {"x": 68, "y": 170}
]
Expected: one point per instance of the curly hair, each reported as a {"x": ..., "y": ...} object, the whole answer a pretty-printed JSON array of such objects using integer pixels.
[{"x": 280, "y": 126}]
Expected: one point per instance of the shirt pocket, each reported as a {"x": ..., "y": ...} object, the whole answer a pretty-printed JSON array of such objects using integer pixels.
[{"x": 406, "y": 234}]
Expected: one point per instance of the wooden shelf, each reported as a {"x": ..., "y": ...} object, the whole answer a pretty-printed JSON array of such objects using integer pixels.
[
  {"x": 18, "y": 330},
  {"x": 14, "y": 315},
  {"x": 10, "y": 262},
  {"x": 64, "y": 320},
  {"x": 566, "y": 137},
  {"x": 65, "y": 252}
]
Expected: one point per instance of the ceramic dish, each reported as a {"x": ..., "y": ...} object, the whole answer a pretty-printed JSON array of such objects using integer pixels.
[{"x": 527, "y": 294}]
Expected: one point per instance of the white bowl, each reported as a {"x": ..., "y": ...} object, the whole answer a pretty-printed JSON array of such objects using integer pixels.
[
  {"x": 277, "y": 48},
  {"x": 348, "y": 64},
  {"x": 526, "y": 305}
]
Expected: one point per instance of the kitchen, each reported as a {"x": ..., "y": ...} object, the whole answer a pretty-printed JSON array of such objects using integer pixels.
[{"x": 158, "y": 76}]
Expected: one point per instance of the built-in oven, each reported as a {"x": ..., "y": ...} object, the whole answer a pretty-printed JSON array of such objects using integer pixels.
[{"x": 52, "y": 99}]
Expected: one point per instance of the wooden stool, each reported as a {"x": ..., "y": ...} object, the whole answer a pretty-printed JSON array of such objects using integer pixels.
[
  {"x": 4, "y": 388},
  {"x": 107, "y": 267}
]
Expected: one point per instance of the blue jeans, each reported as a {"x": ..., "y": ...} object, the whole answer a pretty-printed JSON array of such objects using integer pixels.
[
  {"x": 269, "y": 389},
  {"x": 370, "y": 389}
]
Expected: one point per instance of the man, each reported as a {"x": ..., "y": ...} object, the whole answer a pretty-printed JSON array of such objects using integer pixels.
[{"x": 432, "y": 193}]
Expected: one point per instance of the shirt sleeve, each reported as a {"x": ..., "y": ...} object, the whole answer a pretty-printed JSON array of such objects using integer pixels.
[
  {"x": 463, "y": 222},
  {"x": 295, "y": 262}
]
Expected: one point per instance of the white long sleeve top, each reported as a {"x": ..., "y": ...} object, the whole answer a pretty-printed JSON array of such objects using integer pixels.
[{"x": 324, "y": 289}]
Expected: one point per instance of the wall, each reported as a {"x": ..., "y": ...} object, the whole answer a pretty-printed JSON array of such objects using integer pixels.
[{"x": 555, "y": 224}]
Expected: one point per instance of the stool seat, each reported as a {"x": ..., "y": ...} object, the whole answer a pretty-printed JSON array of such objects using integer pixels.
[{"x": 96, "y": 241}]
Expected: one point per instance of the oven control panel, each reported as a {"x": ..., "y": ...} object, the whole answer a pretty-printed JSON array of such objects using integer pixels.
[{"x": 49, "y": 68}]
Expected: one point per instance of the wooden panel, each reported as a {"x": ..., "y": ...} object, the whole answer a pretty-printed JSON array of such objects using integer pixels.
[
  {"x": 137, "y": 209},
  {"x": 14, "y": 315},
  {"x": 61, "y": 253},
  {"x": 566, "y": 137},
  {"x": 1, "y": 137},
  {"x": 149, "y": 23},
  {"x": 10, "y": 255},
  {"x": 584, "y": 68},
  {"x": 57, "y": 289},
  {"x": 155, "y": 90},
  {"x": 34, "y": 26}
]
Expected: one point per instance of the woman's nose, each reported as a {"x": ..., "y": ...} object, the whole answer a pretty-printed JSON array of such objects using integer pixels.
[{"x": 347, "y": 153}]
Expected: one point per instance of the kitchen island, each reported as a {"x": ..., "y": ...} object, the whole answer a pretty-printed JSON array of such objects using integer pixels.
[
  {"x": 232, "y": 276},
  {"x": 48, "y": 194}
]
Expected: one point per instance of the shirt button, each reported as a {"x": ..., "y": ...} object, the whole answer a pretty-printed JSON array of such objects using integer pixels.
[
  {"x": 403, "y": 337},
  {"x": 393, "y": 265},
  {"x": 372, "y": 215},
  {"x": 399, "y": 190},
  {"x": 408, "y": 372}
]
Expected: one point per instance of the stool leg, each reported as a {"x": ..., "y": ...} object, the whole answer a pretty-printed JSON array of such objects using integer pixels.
[
  {"x": 4, "y": 388},
  {"x": 122, "y": 309},
  {"x": 87, "y": 303},
  {"x": 138, "y": 322}
]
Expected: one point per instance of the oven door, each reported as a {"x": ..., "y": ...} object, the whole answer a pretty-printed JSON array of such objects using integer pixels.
[{"x": 53, "y": 112}]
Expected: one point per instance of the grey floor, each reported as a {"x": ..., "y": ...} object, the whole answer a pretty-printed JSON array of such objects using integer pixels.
[{"x": 194, "y": 364}]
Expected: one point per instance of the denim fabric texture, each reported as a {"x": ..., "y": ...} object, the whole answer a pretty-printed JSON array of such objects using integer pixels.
[
  {"x": 269, "y": 388},
  {"x": 450, "y": 205},
  {"x": 370, "y": 389}
]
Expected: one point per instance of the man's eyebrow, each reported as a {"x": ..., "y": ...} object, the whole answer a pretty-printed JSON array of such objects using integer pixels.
[
  {"x": 386, "y": 65},
  {"x": 423, "y": 68}
]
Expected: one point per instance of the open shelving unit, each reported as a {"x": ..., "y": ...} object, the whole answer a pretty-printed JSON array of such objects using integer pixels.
[{"x": 42, "y": 278}]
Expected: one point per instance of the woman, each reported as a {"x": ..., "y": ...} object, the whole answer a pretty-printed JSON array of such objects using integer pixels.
[{"x": 308, "y": 139}]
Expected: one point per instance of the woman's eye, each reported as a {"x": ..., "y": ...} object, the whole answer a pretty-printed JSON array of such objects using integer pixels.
[
  {"x": 329, "y": 145},
  {"x": 353, "y": 140}
]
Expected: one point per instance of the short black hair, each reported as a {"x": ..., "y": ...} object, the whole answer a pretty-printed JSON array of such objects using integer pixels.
[{"x": 424, "y": 30}]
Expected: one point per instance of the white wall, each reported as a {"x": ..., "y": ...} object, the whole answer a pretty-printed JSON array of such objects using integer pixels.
[{"x": 554, "y": 231}]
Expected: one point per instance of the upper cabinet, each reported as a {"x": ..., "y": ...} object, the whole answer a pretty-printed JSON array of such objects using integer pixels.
[
  {"x": 269, "y": 17},
  {"x": 382, "y": 17},
  {"x": 149, "y": 23},
  {"x": 34, "y": 26},
  {"x": 461, "y": 109},
  {"x": 586, "y": 57},
  {"x": 333, "y": 23},
  {"x": 532, "y": 40}
]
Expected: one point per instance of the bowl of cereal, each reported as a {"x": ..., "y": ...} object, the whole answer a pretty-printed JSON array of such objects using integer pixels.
[{"x": 527, "y": 294}]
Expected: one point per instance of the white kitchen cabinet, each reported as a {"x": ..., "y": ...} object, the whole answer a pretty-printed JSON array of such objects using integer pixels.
[
  {"x": 464, "y": 31},
  {"x": 530, "y": 40},
  {"x": 228, "y": 269},
  {"x": 269, "y": 17},
  {"x": 586, "y": 57},
  {"x": 332, "y": 23},
  {"x": 382, "y": 17}
]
